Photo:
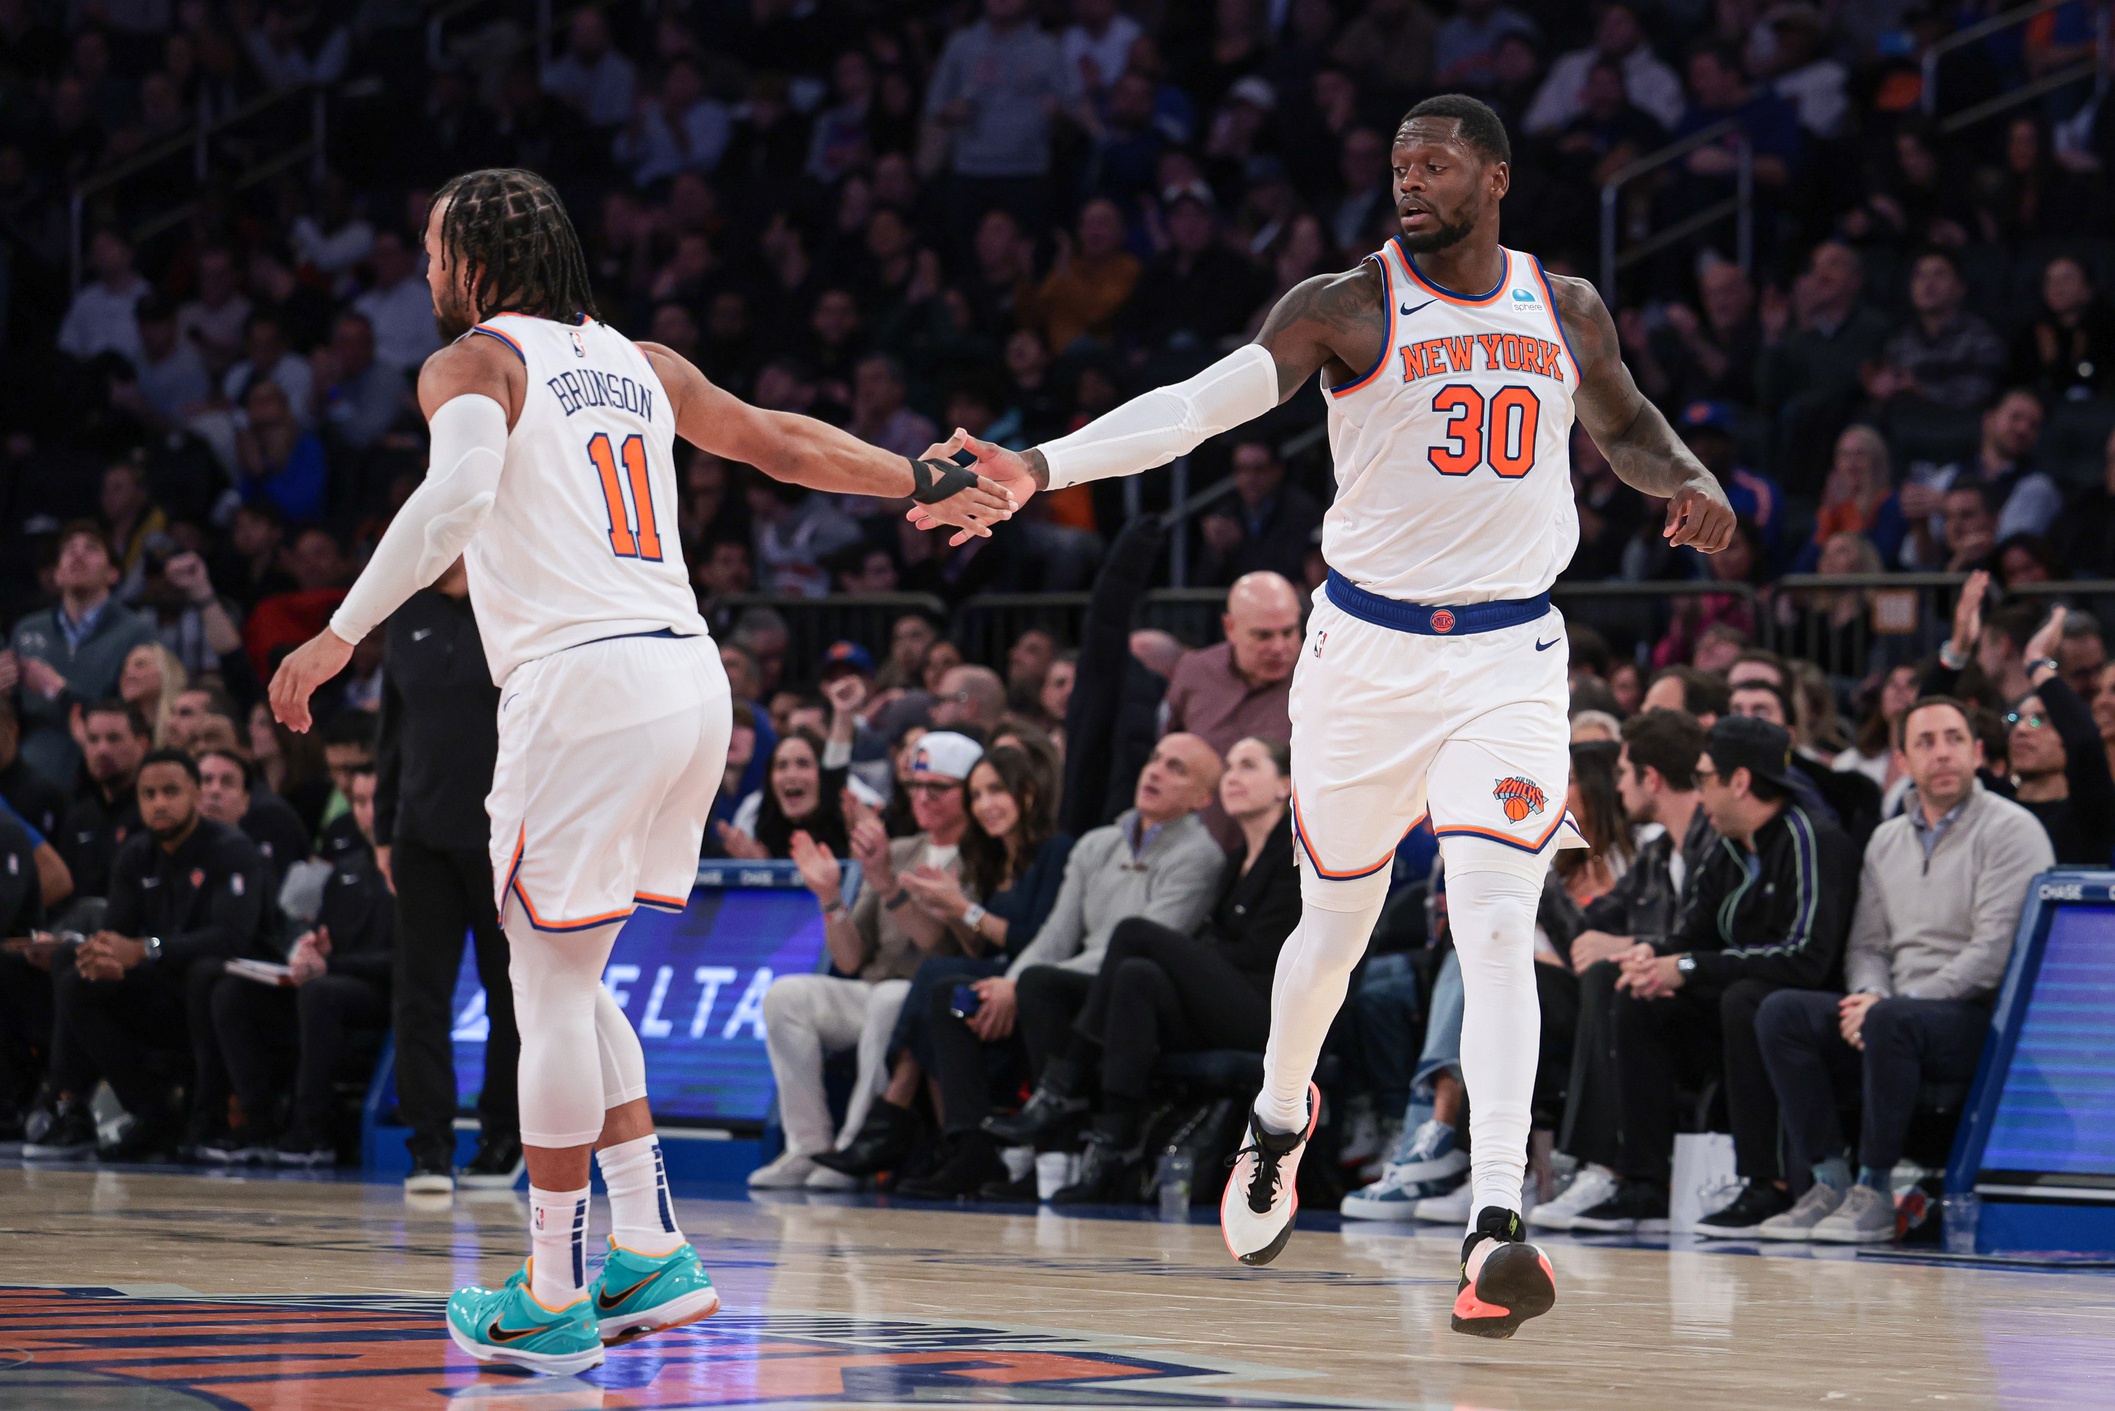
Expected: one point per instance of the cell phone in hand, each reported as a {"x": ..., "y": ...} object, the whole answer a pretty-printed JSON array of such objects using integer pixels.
[{"x": 965, "y": 1001}]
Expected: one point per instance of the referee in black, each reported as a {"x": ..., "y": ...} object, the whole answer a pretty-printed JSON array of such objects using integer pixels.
[{"x": 439, "y": 738}]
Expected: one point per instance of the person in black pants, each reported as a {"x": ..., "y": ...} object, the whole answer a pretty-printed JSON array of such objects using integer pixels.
[
  {"x": 185, "y": 895},
  {"x": 25, "y": 981},
  {"x": 439, "y": 737},
  {"x": 341, "y": 982},
  {"x": 1159, "y": 990}
]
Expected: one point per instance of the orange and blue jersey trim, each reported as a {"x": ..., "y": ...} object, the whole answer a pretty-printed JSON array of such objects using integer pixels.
[
  {"x": 1505, "y": 279},
  {"x": 521, "y": 894},
  {"x": 495, "y": 333},
  {"x": 1550, "y": 295},
  {"x": 1343, "y": 389},
  {"x": 1464, "y": 830},
  {"x": 658, "y": 902},
  {"x": 1321, "y": 870}
]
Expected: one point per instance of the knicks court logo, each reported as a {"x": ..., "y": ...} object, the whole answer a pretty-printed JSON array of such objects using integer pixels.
[{"x": 1519, "y": 797}]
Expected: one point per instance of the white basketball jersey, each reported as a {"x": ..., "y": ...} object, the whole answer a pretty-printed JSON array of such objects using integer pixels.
[
  {"x": 581, "y": 544},
  {"x": 1453, "y": 453}
]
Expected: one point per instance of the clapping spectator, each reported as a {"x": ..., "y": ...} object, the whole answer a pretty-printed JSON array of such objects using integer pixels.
[
  {"x": 2059, "y": 769},
  {"x": 1858, "y": 498},
  {"x": 800, "y": 795}
]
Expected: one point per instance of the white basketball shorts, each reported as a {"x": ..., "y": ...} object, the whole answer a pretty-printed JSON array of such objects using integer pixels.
[
  {"x": 609, "y": 756},
  {"x": 1391, "y": 726}
]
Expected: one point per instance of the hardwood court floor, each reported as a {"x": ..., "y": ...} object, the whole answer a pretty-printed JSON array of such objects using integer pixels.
[{"x": 194, "y": 1291}]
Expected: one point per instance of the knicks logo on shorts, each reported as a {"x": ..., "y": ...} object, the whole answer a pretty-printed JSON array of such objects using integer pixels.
[{"x": 1519, "y": 797}]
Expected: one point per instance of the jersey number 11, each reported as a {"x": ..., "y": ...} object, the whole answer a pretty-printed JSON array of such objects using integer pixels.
[{"x": 646, "y": 542}]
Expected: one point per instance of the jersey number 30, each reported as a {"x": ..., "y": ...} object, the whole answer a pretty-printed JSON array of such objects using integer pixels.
[
  {"x": 1511, "y": 414},
  {"x": 645, "y": 543}
]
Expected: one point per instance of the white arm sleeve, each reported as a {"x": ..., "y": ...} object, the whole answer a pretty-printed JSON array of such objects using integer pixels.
[
  {"x": 1167, "y": 422},
  {"x": 429, "y": 533}
]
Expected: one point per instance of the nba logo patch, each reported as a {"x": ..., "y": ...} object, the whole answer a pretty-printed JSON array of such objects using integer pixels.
[
  {"x": 1320, "y": 638},
  {"x": 579, "y": 345},
  {"x": 1519, "y": 797}
]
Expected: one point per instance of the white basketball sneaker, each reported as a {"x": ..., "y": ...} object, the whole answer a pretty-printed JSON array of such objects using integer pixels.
[
  {"x": 1588, "y": 1189},
  {"x": 1262, "y": 1196}
]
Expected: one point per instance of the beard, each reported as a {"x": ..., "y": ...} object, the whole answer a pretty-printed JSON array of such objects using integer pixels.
[
  {"x": 1437, "y": 239},
  {"x": 452, "y": 323}
]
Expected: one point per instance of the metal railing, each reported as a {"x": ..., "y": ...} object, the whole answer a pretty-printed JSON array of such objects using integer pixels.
[
  {"x": 2071, "y": 73},
  {"x": 1740, "y": 205}
]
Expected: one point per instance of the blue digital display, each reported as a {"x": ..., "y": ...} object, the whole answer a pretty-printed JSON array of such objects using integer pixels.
[
  {"x": 692, "y": 985},
  {"x": 2056, "y": 1111}
]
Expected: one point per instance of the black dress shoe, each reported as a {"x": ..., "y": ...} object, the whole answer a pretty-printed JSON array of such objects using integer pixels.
[
  {"x": 498, "y": 1165},
  {"x": 1101, "y": 1178},
  {"x": 970, "y": 1163},
  {"x": 1045, "y": 1110},
  {"x": 1021, "y": 1192},
  {"x": 884, "y": 1139}
]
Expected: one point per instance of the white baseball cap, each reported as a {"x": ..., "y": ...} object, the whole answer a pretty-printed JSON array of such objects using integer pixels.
[{"x": 945, "y": 754}]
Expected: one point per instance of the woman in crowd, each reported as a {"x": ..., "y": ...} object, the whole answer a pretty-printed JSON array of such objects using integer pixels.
[
  {"x": 1157, "y": 991},
  {"x": 2104, "y": 710},
  {"x": 1592, "y": 800},
  {"x": 1013, "y": 857},
  {"x": 1872, "y": 749},
  {"x": 279, "y": 460},
  {"x": 1827, "y": 624},
  {"x": 1858, "y": 498},
  {"x": 150, "y": 681},
  {"x": 799, "y": 795}
]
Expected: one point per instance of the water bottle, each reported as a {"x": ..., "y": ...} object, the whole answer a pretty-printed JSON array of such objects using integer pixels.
[{"x": 1173, "y": 1178}]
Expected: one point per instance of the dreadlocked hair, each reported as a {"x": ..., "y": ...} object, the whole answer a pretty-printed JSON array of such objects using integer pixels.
[{"x": 509, "y": 225}]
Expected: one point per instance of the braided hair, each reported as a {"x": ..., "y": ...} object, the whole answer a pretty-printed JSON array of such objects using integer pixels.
[{"x": 510, "y": 227}]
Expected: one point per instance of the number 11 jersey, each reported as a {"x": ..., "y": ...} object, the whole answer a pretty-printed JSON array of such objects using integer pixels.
[
  {"x": 1452, "y": 453},
  {"x": 582, "y": 543}
]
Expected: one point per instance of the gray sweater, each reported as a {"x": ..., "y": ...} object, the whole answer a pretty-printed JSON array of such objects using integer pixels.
[
  {"x": 1942, "y": 928},
  {"x": 1174, "y": 882}
]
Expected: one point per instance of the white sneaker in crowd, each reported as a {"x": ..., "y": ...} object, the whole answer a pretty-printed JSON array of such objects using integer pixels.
[
  {"x": 790, "y": 1172},
  {"x": 1592, "y": 1185}
]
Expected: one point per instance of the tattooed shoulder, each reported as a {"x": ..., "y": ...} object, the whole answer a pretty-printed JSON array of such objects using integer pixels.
[
  {"x": 1586, "y": 320},
  {"x": 1329, "y": 318}
]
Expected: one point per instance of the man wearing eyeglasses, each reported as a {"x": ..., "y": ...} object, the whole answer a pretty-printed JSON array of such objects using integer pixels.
[{"x": 2059, "y": 769}]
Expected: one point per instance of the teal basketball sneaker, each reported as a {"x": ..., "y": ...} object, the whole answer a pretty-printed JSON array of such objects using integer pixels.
[
  {"x": 637, "y": 1294},
  {"x": 507, "y": 1324}
]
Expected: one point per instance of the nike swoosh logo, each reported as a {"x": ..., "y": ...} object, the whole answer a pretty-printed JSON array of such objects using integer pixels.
[
  {"x": 606, "y": 1303},
  {"x": 496, "y": 1333},
  {"x": 1545, "y": 646},
  {"x": 1407, "y": 310}
]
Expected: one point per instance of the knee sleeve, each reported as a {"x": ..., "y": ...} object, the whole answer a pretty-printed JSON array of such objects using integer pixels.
[
  {"x": 623, "y": 1061},
  {"x": 557, "y": 982},
  {"x": 1492, "y": 915}
]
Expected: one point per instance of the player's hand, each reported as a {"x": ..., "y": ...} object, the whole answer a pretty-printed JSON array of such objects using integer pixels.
[
  {"x": 974, "y": 510},
  {"x": 308, "y": 666},
  {"x": 1699, "y": 517},
  {"x": 1006, "y": 470}
]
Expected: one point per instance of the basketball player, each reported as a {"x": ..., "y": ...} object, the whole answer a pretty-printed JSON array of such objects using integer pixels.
[
  {"x": 552, "y": 474},
  {"x": 1433, "y": 676}
]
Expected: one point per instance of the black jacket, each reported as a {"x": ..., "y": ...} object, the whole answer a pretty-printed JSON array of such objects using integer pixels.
[
  {"x": 206, "y": 899},
  {"x": 2081, "y": 826},
  {"x": 360, "y": 913},
  {"x": 21, "y": 898},
  {"x": 36, "y": 798},
  {"x": 1645, "y": 904},
  {"x": 439, "y": 728},
  {"x": 1781, "y": 913},
  {"x": 275, "y": 828},
  {"x": 1257, "y": 909},
  {"x": 91, "y": 834}
]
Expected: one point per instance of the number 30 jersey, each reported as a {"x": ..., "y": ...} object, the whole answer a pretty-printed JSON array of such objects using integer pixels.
[
  {"x": 1452, "y": 454},
  {"x": 581, "y": 543}
]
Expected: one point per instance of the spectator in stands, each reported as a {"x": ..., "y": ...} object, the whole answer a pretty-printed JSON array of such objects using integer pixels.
[
  {"x": 2080, "y": 653},
  {"x": 1699, "y": 694},
  {"x": 398, "y": 306},
  {"x": 340, "y": 969},
  {"x": 72, "y": 653},
  {"x": 1853, "y": 798},
  {"x": 2026, "y": 499},
  {"x": 996, "y": 89},
  {"x": 1090, "y": 280},
  {"x": 1719, "y": 89},
  {"x": 1704, "y": 354},
  {"x": 1937, "y": 907},
  {"x": 680, "y": 129},
  {"x": 1944, "y": 355},
  {"x": 1156, "y": 861},
  {"x": 105, "y": 814},
  {"x": 2085, "y": 532},
  {"x": 1708, "y": 430},
  {"x": 1698, "y": 617},
  {"x": 2104, "y": 710},
  {"x": 103, "y": 316},
  {"x": 277, "y": 458},
  {"x": 2067, "y": 350},
  {"x": 1268, "y": 526},
  {"x": 1816, "y": 344},
  {"x": 1464, "y": 49},
  {"x": 185, "y": 892},
  {"x": 172, "y": 378},
  {"x": 1858, "y": 498},
  {"x": 315, "y": 560},
  {"x": 969, "y": 695},
  {"x": 591, "y": 75},
  {"x": 25, "y": 978},
  {"x": 879, "y": 416},
  {"x": 1240, "y": 687},
  {"x": 1390, "y": 43},
  {"x": 801, "y": 795},
  {"x": 268, "y": 357},
  {"x": 1055, "y": 697},
  {"x": 2059, "y": 770},
  {"x": 36, "y": 801},
  {"x": 358, "y": 397},
  {"x": 1996, "y": 649},
  {"x": 213, "y": 323},
  {"x": 1618, "y": 38},
  {"x": 1160, "y": 990},
  {"x": 1098, "y": 43},
  {"x": 1691, "y": 999},
  {"x": 1197, "y": 292},
  {"x": 875, "y": 946},
  {"x": 227, "y": 794},
  {"x": 251, "y": 568},
  {"x": 796, "y": 530},
  {"x": 1800, "y": 69}
]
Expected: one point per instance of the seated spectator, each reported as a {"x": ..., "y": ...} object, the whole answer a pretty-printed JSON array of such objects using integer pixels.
[
  {"x": 1088, "y": 282},
  {"x": 1944, "y": 355},
  {"x": 172, "y": 377},
  {"x": 1995, "y": 649},
  {"x": 879, "y": 416},
  {"x": 37, "y": 801},
  {"x": 1707, "y": 429},
  {"x": 1858, "y": 498},
  {"x": 1802, "y": 71},
  {"x": 875, "y": 947},
  {"x": 1462, "y": 54},
  {"x": 1699, "y": 694},
  {"x": 2068, "y": 349},
  {"x": 150, "y": 683},
  {"x": 2024, "y": 560},
  {"x": 186, "y": 893},
  {"x": 279, "y": 459},
  {"x": 1697, "y": 616},
  {"x": 1707, "y": 353},
  {"x": 106, "y": 814},
  {"x": 226, "y": 794},
  {"x": 591, "y": 75},
  {"x": 316, "y": 562},
  {"x": 796, "y": 531},
  {"x": 800, "y": 795},
  {"x": 350, "y": 741},
  {"x": 1054, "y": 700},
  {"x": 1619, "y": 38},
  {"x": 72, "y": 653},
  {"x": 2080, "y": 654},
  {"x": 1610, "y": 131},
  {"x": 971, "y": 696},
  {"x": 1688, "y": 1003},
  {"x": 2025, "y": 500},
  {"x": 269, "y": 357},
  {"x": 1938, "y": 902},
  {"x": 1851, "y": 797},
  {"x": 2059, "y": 770},
  {"x": 1012, "y": 856},
  {"x": 1872, "y": 751},
  {"x": 679, "y": 129},
  {"x": 358, "y": 397},
  {"x": 1158, "y": 862},
  {"x": 1197, "y": 293},
  {"x": 1815, "y": 348},
  {"x": 1267, "y": 527},
  {"x": 213, "y": 323},
  {"x": 252, "y": 567},
  {"x": 1241, "y": 687},
  {"x": 398, "y": 306},
  {"x": 101, "y": 317},
  {"x": 341, "y": 974}
]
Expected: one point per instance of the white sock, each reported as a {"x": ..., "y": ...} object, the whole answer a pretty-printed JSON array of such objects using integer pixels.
[
  {"x": 1492, "y": 915},
  {"x": 1313, "y": 969},
  {"x": 558, "y": 1246},
  {"x": 642, "y": 1216}
]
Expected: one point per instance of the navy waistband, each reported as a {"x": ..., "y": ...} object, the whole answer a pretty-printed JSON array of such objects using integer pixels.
[
  {"x": 621, "y": 636},
  {"x": 1433, "y": 622}
]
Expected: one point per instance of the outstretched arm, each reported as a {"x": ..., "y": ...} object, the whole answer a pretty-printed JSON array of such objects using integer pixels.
[
  {"x": 804, "y": 451},
  {"x": 1641, "y": 447},
  {"x": 1336, "y": 321}
]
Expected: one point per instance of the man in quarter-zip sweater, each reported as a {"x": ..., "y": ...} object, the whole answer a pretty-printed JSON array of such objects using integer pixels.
[{"x": 1937, "y": 909}]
